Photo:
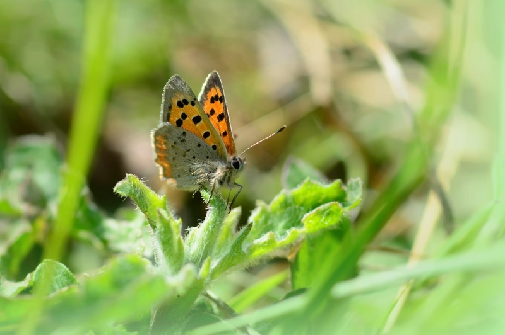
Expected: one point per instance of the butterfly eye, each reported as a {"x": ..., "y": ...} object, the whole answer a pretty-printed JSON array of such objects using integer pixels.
[{"x": 237, "y": 163}]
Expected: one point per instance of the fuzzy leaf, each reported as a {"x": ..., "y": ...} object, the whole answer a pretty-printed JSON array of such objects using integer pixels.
[
  {"x": 202, "y": 240},
  {"x": 59, "y": 275},
  {"x": 129, "y": 234},
  {"x": 147, "y": 201},
  {"x": 287, "y": 209},
  {"x": 11, "y": 289},
  {"x": 228, "y": 233},
  {"x": 169, "y": 315},
  {"x": 292, "y": 215},
  {"x": 167, "y": 247},
  {"x": 124, "y": 290},
  {"x": 304, "y": 269},
  {"x": 168, "y": 243},
  {"x": 235, "y": 255}
]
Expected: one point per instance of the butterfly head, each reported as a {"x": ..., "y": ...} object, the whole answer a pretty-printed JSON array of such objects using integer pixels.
[
  {"x": 226, "y": 174},
  {"x": 237, "y": 164}
]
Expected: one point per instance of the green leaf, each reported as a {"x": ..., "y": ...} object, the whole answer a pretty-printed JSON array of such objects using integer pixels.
[
  {"x": 322, "y": 217},
  {"x": 124, "y": 290},
  {"x": 464, "y": 237},
  {"x": 170, "y": 250},
  {"x": 236, "y": 253},
  {"x": 295, "y": 171},
  {"x": 129, "y": 236},
  {"x": 286, "y": 211},
  {"x": 147, "y": 201},
  {"x": 14, "y": 312},
  {"x": 168, "y": 243},
  {"x": 19, "y": 244},
  {"x": 168, "y": 247},
  {"x": 488, "y": 258},
  {"x": 228, "y": 231},
  {"x": 202, "y": 319},
  {"x": 354, "y": 194},
  {"x": 305, "y": 265},
  {"x": 304, "y": 269},
  {"x": 202, "y": 240},
  {"x": 32, "y": 171},
  {"x": 256, "y": 291},
  {"x": 10, "y": 289},
  {"x": 89, "y": 218},
  {"x": 213, "y": 247},
  {"x": 58, "y": 275},
  {"x": 272, "y": 229},
  {"x": 169, "y": 315},
  {"x": 9, "y": 209}
]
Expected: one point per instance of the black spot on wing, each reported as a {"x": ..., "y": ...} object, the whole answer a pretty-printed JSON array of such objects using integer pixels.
[{"x": 197, "y": 119}]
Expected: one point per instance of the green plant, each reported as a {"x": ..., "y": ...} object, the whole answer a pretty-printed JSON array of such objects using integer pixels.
[{"x": 128, "y": 287}]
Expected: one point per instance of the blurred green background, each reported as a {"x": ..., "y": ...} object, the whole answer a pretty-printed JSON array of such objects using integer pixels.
[
  {"x": 305, "y": 64},
  {"x": 345, "y": 76}
]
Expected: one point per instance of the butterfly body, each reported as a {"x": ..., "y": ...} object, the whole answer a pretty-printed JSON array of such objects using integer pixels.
[{"x": 194, "y": 144}]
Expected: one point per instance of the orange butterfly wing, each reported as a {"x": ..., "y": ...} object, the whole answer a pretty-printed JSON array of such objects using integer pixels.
[
  {"x": 181, "y": 108},
  {"x": 214, "y": 104}
]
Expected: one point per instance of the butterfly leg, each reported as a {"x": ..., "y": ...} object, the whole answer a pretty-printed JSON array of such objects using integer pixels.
[
  {"x": 228, "y": 199},
  {"x": 211, "y": 192},
  {"x": 236, "y": 194}
]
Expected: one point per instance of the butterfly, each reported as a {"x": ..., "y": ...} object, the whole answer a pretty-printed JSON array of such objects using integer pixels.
[{"x": 194, "y": 143}]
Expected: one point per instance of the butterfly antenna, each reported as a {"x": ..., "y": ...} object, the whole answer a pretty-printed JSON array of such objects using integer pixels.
[{"x": 266, "y": 138}]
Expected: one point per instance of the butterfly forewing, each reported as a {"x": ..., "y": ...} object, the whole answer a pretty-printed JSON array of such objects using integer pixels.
[
  {"x": 214, "y": 104},
  {"x": 181, "y": 109}
]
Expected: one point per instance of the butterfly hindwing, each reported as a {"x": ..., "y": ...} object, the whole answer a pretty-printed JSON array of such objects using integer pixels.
[
  {"x": 181, "y": 109},
  {"x": 214, "y": 104},
  {"x": 185, "y": 158}
]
